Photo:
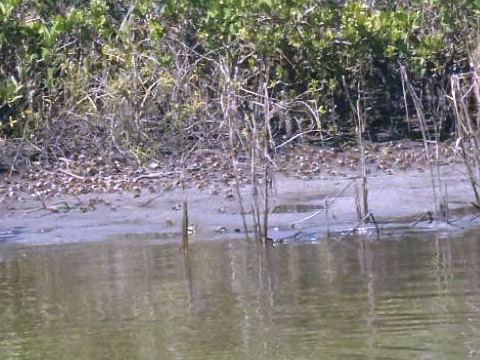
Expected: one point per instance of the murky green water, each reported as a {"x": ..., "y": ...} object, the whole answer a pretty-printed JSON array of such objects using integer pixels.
[{"x": 402, "y": 299}]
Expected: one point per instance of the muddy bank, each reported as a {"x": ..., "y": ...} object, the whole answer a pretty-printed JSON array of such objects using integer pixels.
[{"x": 401, "y": 199}]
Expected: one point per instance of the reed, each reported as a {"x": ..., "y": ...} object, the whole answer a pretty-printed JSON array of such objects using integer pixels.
[
  {"x": 247, "y": 113},
  {"x": 229, "y": 105},
  {"x": 185, "y": 227},
  {"x": 262, "y": 154},
  {"x": 465, "y": 100},
  {"x": 358, "y": 111},
  {"x": 431, "y": 144},
  {"x": 185, "y": 220},
  {"x": 360, "y": 130}
]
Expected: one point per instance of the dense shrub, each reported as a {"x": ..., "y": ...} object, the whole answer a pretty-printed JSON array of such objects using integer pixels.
[{"x": 144, "y": 70}]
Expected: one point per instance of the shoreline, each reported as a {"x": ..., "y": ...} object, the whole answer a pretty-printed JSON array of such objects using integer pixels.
[{"x": 396, "y": 198}]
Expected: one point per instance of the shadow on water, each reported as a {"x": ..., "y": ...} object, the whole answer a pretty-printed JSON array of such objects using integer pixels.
[{"x": 410, "y": 298}]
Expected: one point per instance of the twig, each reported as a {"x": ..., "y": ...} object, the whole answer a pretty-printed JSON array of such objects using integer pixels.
[
  {"x": 149, "y": 201},
  {"x": 476, "y": 206},
  {"x": 71, "y": 174},
  {"x": 297, "y": 136},
  {"x": 155, "y": 175},
  {"x": 330, "y": 202},
  {"x": 423, "y": 216},
  {"x": 374, "y": 222},
  {"x": 365, "y": 220}
]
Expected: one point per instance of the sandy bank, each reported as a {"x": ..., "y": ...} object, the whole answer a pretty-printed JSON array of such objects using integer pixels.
[{"x": 399, "y": 198}]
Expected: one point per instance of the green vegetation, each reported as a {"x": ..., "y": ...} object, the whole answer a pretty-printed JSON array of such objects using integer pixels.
[{"x": 142, "y": 74}]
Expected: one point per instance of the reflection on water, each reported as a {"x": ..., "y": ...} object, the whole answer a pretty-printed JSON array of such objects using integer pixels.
[{"x": 402, "y": 299}]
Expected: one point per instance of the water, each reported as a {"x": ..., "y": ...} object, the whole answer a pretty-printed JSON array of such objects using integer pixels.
[{"x": 413, "y": 298}]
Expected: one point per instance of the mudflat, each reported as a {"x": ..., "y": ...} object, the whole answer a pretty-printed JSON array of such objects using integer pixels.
[{"x": 323, "y": 204}]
